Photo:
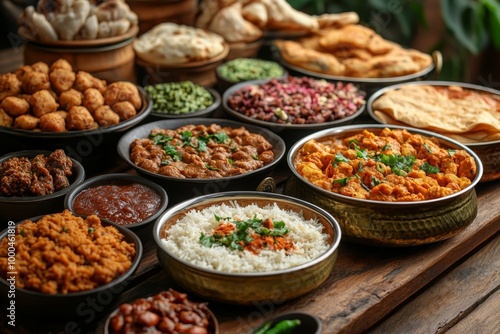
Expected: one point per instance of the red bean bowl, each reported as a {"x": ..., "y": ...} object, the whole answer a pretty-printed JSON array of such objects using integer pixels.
[{"x": 281, "y": 117}]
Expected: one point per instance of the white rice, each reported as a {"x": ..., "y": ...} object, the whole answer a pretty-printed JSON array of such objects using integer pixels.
[{"x": 183, "y": 239}]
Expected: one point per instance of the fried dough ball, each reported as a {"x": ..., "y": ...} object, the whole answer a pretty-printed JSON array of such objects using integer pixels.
[
  {"x": 123, "y": 91},
  {"x": 70, "y": 99},
  {"x": 61, "y": 113},
  {"x": 62, "y": 64},
  {"x": 10, "y": 85},
  {"x": 92, "y": 99},
  {"x": 5, "y": 119},
  {"x": 40, "y": 67},
  {"x": 104, "y": 116},
  {"x": 124, "y": 109},
  {"x": 62, "y": 79},
  {"x": 26, "y": 122},
  {"x": 79, "y": 118},
  {"x": 52, "y": 122},
  {"x": 85, "y": 80},
  {"x": 15, "y": 106},
  {"x": 34, "y": 81},
  {"x": 42, "y": 102}
]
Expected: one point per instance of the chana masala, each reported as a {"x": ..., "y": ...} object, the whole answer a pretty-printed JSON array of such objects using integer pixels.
[
  {"x": 63, "y": 253},
  {"x": 391, "y": 166},
  {"x": 200, "y": 151}
]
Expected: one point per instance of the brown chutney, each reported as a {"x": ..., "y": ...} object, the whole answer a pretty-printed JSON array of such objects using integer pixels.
[{"x": 120, "y": 203}]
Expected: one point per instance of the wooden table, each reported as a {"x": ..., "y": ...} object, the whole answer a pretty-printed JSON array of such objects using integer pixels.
[{"x": 451, "y": 286}]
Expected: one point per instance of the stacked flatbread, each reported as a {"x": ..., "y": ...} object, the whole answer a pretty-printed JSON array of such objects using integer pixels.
[
  {"x": 171, "y": 44},
  {"x": 463, "y": 114},
  {"x": 352, "y": 51},
  {"x": 67, "y": 20}
]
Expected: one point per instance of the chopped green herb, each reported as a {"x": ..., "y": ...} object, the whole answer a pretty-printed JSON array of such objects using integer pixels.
[
  {"x": 386, "y": 147},
  {"x": 427, "y": 147},
  {"x": 210, "y": 167},
  {"x": 362, "y": 154},
  {"x": 22, "y": 232},
  {"x": 400, "y": 164},
  {"x": 255, "y": 156},
  {"x": 339, "y": 157},
  {"x": 429, "y": 169},
  {"x": 90, "y": 230},
  {"x": 353, "y": 144},
  {"x": 342, "y": 181},
  {"x": 451, "y": 152}
]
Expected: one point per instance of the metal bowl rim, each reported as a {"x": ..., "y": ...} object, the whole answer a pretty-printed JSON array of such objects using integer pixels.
[
  {"x": 334, "y": 131},
  {"x": 234, "y": 195}
]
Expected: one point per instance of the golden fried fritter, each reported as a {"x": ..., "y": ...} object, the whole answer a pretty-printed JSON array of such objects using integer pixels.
[
  {"x": 42, "y": 102},
  {"x": 104, "y": 116},
  {"x": 123, "y": 91},
  {"x": 52, "y": 122},
  {"x": 34, "y": 81},
  {"x": 85, "y": 80},
  {"x": 61, "y": 63},
  {"x": 10, "y": 85},
  {"x": 92, "y": 99},
  {"x": 5, "y": 119},
  {"x": 70, "y": 99},
  {"x": 40, "y": 67},
  {"x": 124, "y": 109},
  {"x": 62, "y": 80},
  {"x": 26, "y": 122},
  {"x": 79, "y": 118},
  {"x": 15, "y": 106}
]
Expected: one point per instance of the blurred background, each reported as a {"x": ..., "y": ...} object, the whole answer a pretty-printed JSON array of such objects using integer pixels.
[{"x": 467, "y": 32}]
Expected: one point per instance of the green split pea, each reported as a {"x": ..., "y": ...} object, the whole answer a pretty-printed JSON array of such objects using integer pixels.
[{"x": 245, "y": 69}]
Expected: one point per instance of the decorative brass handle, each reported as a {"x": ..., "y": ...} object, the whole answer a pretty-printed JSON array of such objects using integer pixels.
[{"x": 267, "y": 185}]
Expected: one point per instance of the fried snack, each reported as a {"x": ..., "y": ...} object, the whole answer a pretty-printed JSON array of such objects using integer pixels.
[
  {"x": 10, "y": 85},
  {"x": 52, "y": 122},
  {"x": 33, "y": 81},
  {"x": 70, "y": 99},
  {"x": 85, "y": 80},
  {"x": 26, "y": 122},
  {"x": 42, "y": 102},
  {"x": 104, "y": 116},
  {"x": 5, "y": 119},
  {"x": 92, "y": 99},
  {"x": 231, "y": 18},
  {"x": 122, "y": 91},
  {"x": 62, "y": 79},
  {"x": 15, "y": 106},
  {"x": 124, "y": 110},
  {"x": 62, "y": 64},
  {"x": 256, "y": 13},
  {"x": 79, "y": 118},
  {"x": 465, "y": 115}
]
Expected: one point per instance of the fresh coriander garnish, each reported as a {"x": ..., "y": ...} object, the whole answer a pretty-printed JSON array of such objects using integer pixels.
[
  {"x": 429, "y": 169},
  {"x": 339, "y": 157}
]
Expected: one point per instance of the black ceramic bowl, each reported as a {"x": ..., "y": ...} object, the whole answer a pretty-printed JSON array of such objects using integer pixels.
[
  {"x": 76, "y": 306},
  {"x": 289, "y": 132},
  {"x": 118, "y": 179},
  {"x": 207, "y": 112},
  {"x": 180, "y": 189},
  {"x": 309, "y": 323},
  {"x": 93, "y": 148},
  {"x": 18, "y": 208}
]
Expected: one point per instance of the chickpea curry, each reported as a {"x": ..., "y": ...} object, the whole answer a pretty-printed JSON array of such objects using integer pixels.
[
  {"x": 391, "y": 166},
  {"x": 201, "y": 151}
]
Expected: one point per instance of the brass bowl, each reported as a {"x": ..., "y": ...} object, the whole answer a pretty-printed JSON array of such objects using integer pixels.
[
  {"x": 252, "y": 287},
  {"x": 488, "y": 152},
  {"x": 389, "y": 223}
]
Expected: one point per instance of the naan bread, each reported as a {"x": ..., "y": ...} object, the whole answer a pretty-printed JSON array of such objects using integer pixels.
[{"x": 463, "y": 114}]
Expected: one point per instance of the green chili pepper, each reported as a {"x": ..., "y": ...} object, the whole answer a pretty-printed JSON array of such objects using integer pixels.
[
  {"x": 283, "y": 327},
  {"x": 263, "y": 329}
]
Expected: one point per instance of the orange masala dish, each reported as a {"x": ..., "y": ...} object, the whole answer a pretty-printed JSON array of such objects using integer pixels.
[
  {"x": 62, "y": 253},
  {"x": 394, "y": 165},
  {"x": 200, "y": 151}
]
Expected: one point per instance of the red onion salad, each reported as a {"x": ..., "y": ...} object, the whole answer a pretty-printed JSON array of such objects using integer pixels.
[{"x": 297, "y": 100}]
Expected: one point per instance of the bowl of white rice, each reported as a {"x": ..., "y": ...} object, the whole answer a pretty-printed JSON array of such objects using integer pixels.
[{"x": 245, "y": 247}]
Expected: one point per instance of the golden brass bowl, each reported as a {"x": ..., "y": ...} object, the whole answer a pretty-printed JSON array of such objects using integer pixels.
[
  {"x": 389, "y": 223},
  {"x": 253, "y": 287}
]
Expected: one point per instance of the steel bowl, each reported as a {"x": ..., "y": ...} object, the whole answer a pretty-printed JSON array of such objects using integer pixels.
[
  {"x": 182, "y": 189},
  {"x": 488, "y": 152},
  {"x": 389, "y": 224},
  {"x": 253, "y": 287},
  {"x": 119, "y": 179},
  {"x": 74, "y": 306},
  {"x": 16, "y": 208}
]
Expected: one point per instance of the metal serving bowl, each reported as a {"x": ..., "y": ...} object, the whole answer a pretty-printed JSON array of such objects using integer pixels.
[
  {"x": 15, "y": 208},
  {"x": 488, "y": 152},
  {"x": 186, "y": 188},
  {"x": 248, "y": 288},
  {"x": 74, "y": 306},
  {"x": 389, "y": 223}
]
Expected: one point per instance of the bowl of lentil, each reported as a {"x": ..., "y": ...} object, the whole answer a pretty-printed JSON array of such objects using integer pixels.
[
  {"x": 294, "y": 106},
  {"x": 246, "y": 247},
  {"x": 246, "y": 69},
  {"x": 387, "y": 186},
  {"x": 195, "y": 156},
  {"x": 125, "y": 199},
  {"x": 35, "y": 181},
  {"x": 182, "y": 100},
  {"x": 82, "y": 267}
]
